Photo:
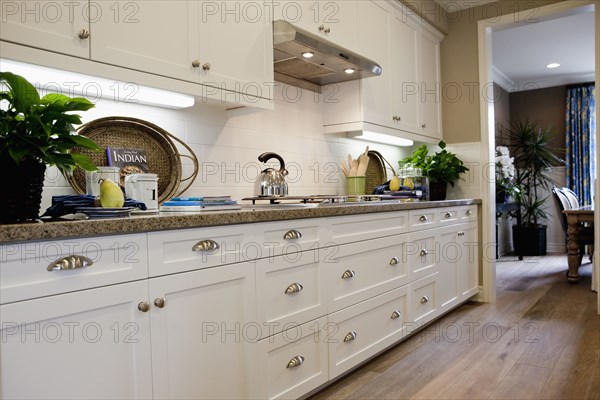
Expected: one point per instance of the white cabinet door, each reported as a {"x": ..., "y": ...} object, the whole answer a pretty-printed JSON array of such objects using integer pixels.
[
  {"x": 468, "y": 265},
  {"x": 48, "y": 25},
  {"x": 373, "y": 41},
  {"x": 160, "y": 37},
  {"x": 430, "y": 81},
  {"x": 333, "y": 20},
  {"x": 204, "y": 334},
  {"x": 82, "y": 345},
  {"x": 236, "y": 48},
  {"x": 405, "y": 86},
  {"x": 448, "y": 259}
]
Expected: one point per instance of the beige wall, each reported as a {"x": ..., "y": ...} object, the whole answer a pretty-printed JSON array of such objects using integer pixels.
[
  {"x": 547, "y": 107},
  {"x": 502, "y": 114},
  {"x": 460, "y": 67},
  {"x": 430, "y": 12}
]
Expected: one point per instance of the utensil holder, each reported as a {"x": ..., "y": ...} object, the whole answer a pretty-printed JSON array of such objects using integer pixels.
[{"x": 355, "y": 185}]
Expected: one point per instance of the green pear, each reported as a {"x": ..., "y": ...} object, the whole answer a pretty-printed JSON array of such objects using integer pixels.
[{"x": 111, "y": 195}]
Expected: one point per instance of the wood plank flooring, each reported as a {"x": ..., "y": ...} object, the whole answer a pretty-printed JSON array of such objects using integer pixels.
[{"x": 539, "y": 340}]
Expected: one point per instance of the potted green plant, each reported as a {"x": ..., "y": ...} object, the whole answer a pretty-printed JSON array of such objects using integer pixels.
[
  {"x": 441, "y": 168},
  {"x": 506, "y": 188},
  {"x": 533, "y": 158},
  {"x": 35, "y": 132}
]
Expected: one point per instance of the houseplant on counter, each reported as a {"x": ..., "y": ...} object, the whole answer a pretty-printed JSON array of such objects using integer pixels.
[
  {"x": 441, "y": 168},
  {"x": 533, "y": 158},
  {"x": 35, "y": 132}
]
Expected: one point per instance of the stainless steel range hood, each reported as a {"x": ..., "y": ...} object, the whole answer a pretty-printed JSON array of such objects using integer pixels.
[{"x": 329, "y": 63}]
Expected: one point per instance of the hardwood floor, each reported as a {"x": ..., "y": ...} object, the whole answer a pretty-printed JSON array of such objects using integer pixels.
[{"x": 539, "y": 340}]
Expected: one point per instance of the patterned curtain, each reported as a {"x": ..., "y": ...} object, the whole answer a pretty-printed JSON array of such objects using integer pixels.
[{"x": 581, "y": 141}]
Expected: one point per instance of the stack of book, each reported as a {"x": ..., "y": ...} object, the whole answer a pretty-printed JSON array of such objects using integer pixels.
[{"x": 206, "y": 203}]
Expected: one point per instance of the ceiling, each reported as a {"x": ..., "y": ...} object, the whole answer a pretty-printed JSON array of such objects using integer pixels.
[
  {"x": 454, "y": 5},
  {"x": 521, "y": 53}
]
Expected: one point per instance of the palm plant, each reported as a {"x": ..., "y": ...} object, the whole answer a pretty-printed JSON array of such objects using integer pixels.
[{"x": 533, "y": 157}]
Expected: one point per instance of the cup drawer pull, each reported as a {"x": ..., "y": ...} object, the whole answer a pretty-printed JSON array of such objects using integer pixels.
[
  {"x": 70, "y": 262},
  {"x": 394, "y": 261},
  {"x": 423, "y": 253},
  {"x": 448, "y": 215},
  {"x": 292, "y": 234},
  {"x": 294, "y": 288},
  {"x": 423, "y": 218},
  {"x": 206, "y": 245},
  {"x": 295, "y": 362},
  {"x": 424, "y": 299},
  {"x": 348, "y": 274},
  {"x": 396, "y": 314},
  {"x": 350, "y": 336}
]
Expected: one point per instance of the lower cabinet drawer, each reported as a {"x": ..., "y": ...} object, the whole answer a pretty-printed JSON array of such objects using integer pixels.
[
  {"x": 424, "y": 299},
  {"x": 361, "y": 331},
  {"x": 289, "y": 291},
  {"x": 359, "y": 271},
  {"x": 294, "y": 362},
  {"x": 37, "y": 269},
  {"x": 422, "y": 252}
]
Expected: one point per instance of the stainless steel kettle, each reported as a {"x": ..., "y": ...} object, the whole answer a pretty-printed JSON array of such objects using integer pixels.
[{"x": 271, "y": 182}]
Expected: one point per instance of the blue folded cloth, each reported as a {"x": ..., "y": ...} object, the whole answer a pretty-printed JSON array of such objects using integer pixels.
[{"x": 68, "y": 204}]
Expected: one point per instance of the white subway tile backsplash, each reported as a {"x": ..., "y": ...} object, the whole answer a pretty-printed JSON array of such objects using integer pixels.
[{"x": 228, "y": 148}]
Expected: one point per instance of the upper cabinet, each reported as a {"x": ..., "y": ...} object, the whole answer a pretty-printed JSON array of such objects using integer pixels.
[
  {"x": 333, "y": 20},
  {"x": 216, "y": 49},
  {"x": 59, "y": 27},
  {"x": 196, "y": 41},
  {"x": 405, "y": 100}
]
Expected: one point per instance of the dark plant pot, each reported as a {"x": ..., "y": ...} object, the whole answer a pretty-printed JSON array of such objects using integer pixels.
[
  {"x": 22, "y": 195},
  {"x": 529, "y": 241},
  {"x": 501, "y": 196},
  {"x": 437, "y": 191}
]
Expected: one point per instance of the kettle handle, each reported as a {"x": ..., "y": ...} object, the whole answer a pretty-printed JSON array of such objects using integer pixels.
[{"x": 264, "y": 157}]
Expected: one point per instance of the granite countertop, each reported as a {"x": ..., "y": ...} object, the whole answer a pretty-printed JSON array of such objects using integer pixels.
[{"x": 165, "y": 221}]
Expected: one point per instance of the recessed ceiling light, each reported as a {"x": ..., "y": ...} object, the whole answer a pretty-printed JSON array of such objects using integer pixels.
[
  {"x": 553, "y": 65},
  {"x": 308, "y": 54},
  {"x": 349, "y": 70}
]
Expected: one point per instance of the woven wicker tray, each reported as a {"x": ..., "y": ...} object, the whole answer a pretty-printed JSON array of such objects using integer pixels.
[
  {"x": 163, "y": 157},
  {"x": 376, "y": 174}
]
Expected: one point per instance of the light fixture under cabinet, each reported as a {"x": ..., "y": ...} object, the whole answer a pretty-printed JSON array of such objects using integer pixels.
[
  {"x": 380, "y": 138},
  {"x": 47, "y": 79}
]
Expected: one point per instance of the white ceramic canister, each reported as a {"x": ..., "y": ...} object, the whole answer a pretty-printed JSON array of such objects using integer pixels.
[
  {"x": 92, "y": 177},
  {"x": 144, "y": 188}
]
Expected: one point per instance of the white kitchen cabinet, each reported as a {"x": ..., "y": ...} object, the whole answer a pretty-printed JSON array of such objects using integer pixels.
[
  {"x": 468, "y": 265},
  {"x": 89, "y": 344},
  {"x": 294, "y": 362},
  {"x": 204, "y": 334},
  {"x": 424, "y": 299},
  {"x": 361, "y": 331},
  {"x": 196, "y": 41},
  {"x": 405, "y": 100},
  {"x": 332, "y": 20},
  {"x": 61, "y": 27},
  {"x": 289, "y": 291},
  {"x": 449, "y": 261},
  {"x": 160, "y": 37}
]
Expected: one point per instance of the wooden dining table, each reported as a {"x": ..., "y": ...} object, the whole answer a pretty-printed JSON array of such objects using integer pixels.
[{"x": 580, "y": 230}]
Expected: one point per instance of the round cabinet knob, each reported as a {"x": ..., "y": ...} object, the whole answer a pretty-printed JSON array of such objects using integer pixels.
[
  {"x": 143, "y": 306},
  {"x": 468, "y": 213},
  {"x": 206, "y": 66},
  {"x": 83, "y": 34},
  {"x": 324, "y": 29},
  {"x": 196, "y": 63},
  {"x": 424, "y": 299},
  {"x": 159, "y": 302},
  {"x": 423, "y": 126}
]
